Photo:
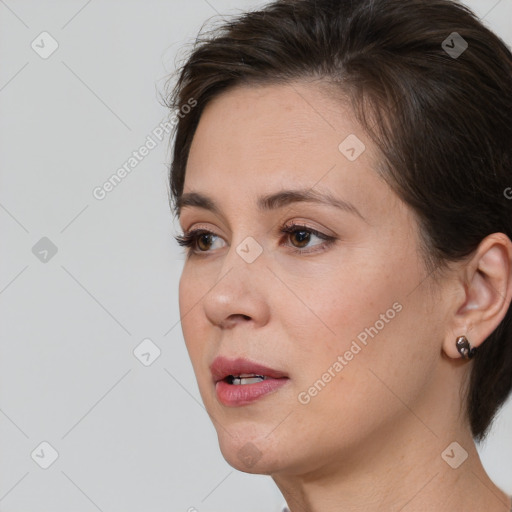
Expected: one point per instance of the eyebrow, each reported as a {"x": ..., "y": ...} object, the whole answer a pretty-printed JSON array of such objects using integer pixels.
[{"x": 271, "y": 202}]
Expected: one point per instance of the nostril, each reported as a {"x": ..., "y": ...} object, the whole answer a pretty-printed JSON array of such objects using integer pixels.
[{"x": 232, "y": 320}]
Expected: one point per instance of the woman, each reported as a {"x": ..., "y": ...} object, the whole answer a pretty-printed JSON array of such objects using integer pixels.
[{"x": 343, "y": 184}]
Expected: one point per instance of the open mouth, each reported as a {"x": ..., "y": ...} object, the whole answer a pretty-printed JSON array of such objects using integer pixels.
[
  {"x": 238, "y": 390},
  {"x": 240, "y": 381},
  {"x": 241, "y": 371},
  {"x": 246, "y": 378}
]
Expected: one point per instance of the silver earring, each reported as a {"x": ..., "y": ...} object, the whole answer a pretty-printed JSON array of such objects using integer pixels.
[{"x": 464, "y": 347}]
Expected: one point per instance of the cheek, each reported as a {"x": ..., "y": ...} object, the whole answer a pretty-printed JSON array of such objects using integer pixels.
[
  {"x": 185, "y": 292},
  {"x": 365, "y": 318},
  {"x": 350, "y": 301},
  {"x": 190, "y": 293},
  {"x": 194, "y": 284},
  {"x": 382, "y": 353}
]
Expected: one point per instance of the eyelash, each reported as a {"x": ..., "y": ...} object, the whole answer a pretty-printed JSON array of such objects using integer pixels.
[{"x": 189, "y": 239}]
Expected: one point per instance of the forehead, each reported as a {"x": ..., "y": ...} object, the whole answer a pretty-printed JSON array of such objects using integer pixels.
[
  {"x": 258, "y": 139},
  {"x": 271, "y": 123}
]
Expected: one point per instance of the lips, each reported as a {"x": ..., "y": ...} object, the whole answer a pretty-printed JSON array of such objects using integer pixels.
[
  {"x": 238, "y": 382},
  {"x": 222, "y": 367}
]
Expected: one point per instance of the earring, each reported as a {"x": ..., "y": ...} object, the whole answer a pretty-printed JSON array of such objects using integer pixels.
[{"x": 464, "y": 347}]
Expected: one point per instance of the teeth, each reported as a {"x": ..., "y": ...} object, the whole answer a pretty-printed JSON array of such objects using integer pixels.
[
  {"x": 250, "y": 380},
  {"x": 246, "y": 378}
]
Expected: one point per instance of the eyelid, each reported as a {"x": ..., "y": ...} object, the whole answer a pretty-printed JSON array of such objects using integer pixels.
[
  {"x": 296, "y": 224},
  {"x": 189, "y": 238},
  {"x": 289, "y": 224}
]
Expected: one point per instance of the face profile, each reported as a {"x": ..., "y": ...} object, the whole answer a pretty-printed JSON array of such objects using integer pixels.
[
  {"x": 331, "y": 343},
  {"x": 306, "y": 297}
]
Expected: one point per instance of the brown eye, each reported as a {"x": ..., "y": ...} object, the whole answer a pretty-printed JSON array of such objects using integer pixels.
[
  {"x": 206, "y": 238},
  {"x": 302, "y": 236},
  {"x": 199, "y": 241}
]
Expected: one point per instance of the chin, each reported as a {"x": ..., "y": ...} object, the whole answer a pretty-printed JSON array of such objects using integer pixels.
[{"x": 249, "y": 453}]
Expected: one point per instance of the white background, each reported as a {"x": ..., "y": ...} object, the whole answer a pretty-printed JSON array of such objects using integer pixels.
[{"x": 129, "y": 437}]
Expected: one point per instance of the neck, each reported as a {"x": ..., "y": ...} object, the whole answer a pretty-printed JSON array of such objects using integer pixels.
[
  {"x": 415, "y": 479},
  {"x": 400, "y": 468}
]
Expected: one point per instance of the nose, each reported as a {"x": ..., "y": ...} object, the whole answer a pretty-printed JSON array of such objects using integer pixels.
[{"x": 240, "y": 293}]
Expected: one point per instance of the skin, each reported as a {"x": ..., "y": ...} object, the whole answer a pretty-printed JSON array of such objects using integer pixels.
[{"x": 372, "y": 438}]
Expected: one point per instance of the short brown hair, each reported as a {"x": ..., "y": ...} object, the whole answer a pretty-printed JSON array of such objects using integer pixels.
[{"x": 442, "y": 121}]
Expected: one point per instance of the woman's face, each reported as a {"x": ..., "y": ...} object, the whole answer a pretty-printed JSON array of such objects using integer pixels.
[{"x": 345, "y": 319}]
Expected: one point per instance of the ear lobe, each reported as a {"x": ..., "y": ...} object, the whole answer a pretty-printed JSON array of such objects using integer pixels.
[{"x": 486, "y": 281}]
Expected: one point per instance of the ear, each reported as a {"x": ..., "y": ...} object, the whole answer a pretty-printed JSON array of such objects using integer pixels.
[{"x": 484, "y": 293}]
